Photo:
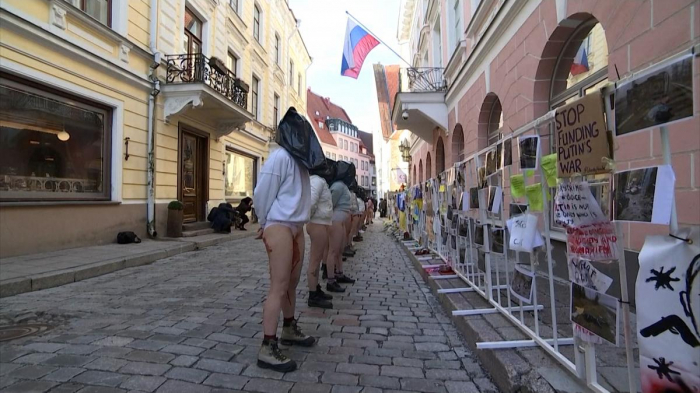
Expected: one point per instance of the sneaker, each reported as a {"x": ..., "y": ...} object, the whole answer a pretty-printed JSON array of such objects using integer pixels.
[
  {"x": 334, "y": 287},
  {"x": 292, "y": 335},
  {"x": 323, "y": 294},
  {"x": 270, "y": 356},
  {"x": 324, "y": 272},
  {"x": 345, "y": 259},
  {"x": 358, "y": 238},
  {"x": 348, "y": 253},
  {"x": 317, "y": 300},
  {"x": 343, "y": 279}
]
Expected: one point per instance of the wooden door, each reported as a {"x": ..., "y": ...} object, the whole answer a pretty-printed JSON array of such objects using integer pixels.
[{"x": 193, "y": 179}]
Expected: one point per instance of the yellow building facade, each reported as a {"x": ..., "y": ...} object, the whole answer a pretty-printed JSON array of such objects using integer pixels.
[{"x": 111, "y": 109}]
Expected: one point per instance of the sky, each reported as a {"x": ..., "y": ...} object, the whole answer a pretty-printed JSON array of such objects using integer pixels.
[{"x": 323, "y": 29}]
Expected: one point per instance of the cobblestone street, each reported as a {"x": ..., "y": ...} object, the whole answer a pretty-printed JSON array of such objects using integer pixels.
[{"x": 191, "y": 323}]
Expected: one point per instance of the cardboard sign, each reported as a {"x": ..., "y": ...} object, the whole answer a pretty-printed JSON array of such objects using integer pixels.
[
  {"x": 582, "y": 140},
  {"x": 595, "y": 242},
  {"x": 575, "y": 205}
]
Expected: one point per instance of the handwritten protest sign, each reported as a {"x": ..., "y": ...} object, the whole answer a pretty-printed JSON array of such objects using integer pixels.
[
  {"x": 517, "y": 186},
  {"x": 581, "y": 135},
  {"x": 595, "y": 242},
  {"x": 549, "y": 167},
  {"x": 523, "y": 230},
  {"x": 582, "y": 272},
  {"x": 575, "y": 205}
]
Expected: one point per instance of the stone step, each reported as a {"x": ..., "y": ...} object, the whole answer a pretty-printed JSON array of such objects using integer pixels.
[
  {"x": 194, "y": 226},
  {"x": 197, "y": 232}
]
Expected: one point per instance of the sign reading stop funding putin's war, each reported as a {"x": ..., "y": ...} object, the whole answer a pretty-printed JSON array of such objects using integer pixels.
[{"x": 581, "y": 135}]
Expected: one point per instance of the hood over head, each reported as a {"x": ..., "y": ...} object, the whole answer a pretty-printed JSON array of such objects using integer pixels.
[
  {"x": 296, "y": 135},
  {"x": 327, "y": 171},
  {"x": 345, "y": 172}
]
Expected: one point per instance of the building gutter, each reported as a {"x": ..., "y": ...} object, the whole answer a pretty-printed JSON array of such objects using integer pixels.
[{"x": 153, "y": 77}]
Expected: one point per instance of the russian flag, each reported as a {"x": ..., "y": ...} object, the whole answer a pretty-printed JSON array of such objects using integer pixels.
[{"x": 358, "y": 44}]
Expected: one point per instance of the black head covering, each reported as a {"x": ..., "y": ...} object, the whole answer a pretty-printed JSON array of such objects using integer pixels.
[
  {"x": 345, "y": 172},
  {"x": 327, "y": 171},
  {"x": 296, "y": 135}
]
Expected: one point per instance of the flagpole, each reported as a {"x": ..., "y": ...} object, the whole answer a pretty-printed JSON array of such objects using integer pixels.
[{"x": 378, "y": 39}]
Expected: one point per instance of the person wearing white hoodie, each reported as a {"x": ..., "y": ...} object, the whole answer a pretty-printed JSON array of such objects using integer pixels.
[
  {"x": 318, "y": 229},
  {"x": 282, "y": 200}
]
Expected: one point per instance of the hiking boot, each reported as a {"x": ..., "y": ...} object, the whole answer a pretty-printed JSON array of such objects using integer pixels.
[
  {"x": 270, "y": 356},
  {"x": 317, "y": 300},
  {"x": 322, "y": 294},
  {"x": 343, "y": 279},
  {"x": 292, "y": 335},
  {"x": 334, "y": 287},
  {"x": 324, "y": 272}
]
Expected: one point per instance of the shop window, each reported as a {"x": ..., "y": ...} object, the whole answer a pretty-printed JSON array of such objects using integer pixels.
[
  {"x": 581, "y": 68},
  {"x": 53, "y": 147},
  {"x": 100, "y": 10},
  {"x": 240, "y": 175}
]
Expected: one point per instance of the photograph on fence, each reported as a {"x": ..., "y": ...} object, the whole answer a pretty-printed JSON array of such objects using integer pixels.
[
  {"x": 463, "y": 227},
  {"x": 479, "y": 234},
  {"x": 662, "y": 96},
  {"x": 507, "y": 153},
  {"x": 495, "y": 197},
  {"x": 644, "y": 195},
  {"x": 517, "y": 209},
  {"x": 596, "y": 312},
  {"x": 529, "y": 146},
  {"x": 521, "y": 284},
  {"x": 496, "y": 240},
  {"x": 481, "y": 177},
  {"x": 491, "y": 163},
  {"x": 473, "y": 198}
]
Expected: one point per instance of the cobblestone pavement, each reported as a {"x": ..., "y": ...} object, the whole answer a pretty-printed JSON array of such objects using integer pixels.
[{"x": 191, "y": 323}]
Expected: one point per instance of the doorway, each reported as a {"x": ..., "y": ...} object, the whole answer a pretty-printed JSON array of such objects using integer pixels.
[{"x": 193, "y": 182}]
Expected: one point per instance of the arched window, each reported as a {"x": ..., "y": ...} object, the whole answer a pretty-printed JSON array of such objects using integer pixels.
[
  {"x": 490, "y": 121},
  {"x": 581, "y": 68},
  {"x": 458, "y": 144},
  {"x": 420, "y": 171},
  {"x": 428, "y": 167},
  {"x": 439, "y": 156}
]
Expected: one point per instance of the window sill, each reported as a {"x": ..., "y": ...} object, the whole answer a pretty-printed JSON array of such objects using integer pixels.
[{"x": 58, "y": 203}]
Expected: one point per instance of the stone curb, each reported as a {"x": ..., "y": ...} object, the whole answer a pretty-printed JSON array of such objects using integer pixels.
[
  {"x": 511, "y": 373},
  {"x": 57, "y": 278}
]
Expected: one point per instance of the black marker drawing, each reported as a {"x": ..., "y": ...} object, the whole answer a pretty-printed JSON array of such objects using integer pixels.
[
  {"x": 663, "y": 280},
  {"x": 673, "y": 324},
  {"x": 663, "y": 369}
]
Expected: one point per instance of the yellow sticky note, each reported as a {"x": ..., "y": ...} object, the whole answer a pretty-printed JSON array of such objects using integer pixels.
[
  {"x": 442, "y": 188},
  {"x": 534, "y": 197},
  {"x": 517, "y": 186},
  {"x": 530, "y": 172},
  {"x": 549, "y": 167}
]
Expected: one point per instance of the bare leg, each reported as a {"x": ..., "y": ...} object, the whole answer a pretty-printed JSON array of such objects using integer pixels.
[
  {"x": 289, "y": 303},
  {"x": 319, "y": 246},
  {"x": 337, "y": 240},
  {"x": 278, "y": 243}
]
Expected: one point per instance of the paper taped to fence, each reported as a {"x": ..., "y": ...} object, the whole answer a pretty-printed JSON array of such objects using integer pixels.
[
  {"x": 595, "y": 242},
  {"x": 575, "y": 205},
  {"x": 582, "y": 272},
  {"x": 522, "y": 232},
  {"x": 668, "y": 314}
]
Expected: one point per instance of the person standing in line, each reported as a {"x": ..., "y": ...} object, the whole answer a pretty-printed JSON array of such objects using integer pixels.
[
  {"x": 349, "y": 250},
  {"x": 342, "y": 207},
  {"x": 370, "y": 212},
  {"x": 359, "y": 218},
  {"x": 382, "y": 208},
  {"x": 283, "y": 203},
  {"x": 318, "y": 229}
]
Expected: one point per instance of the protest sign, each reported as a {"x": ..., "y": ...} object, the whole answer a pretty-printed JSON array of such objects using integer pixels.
[
  {"x": 534, "y": 197},
  {"x": 581, "y": 135},
  {"x": 595, "y": 242},
  {"x": 517, "y": 186},
  {"x": 668, "y": 313},
  {"x": 575, "y": 205},
  {"x": 582, "y": 272},
  {"x": 549, "y": 167},
  {"x": 522, "y": 231}
]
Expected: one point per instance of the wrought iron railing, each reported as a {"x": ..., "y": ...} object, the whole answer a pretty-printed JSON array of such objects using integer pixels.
[
  {"x": 423, "y": 79},
  {"x": 197, "y": 68}
]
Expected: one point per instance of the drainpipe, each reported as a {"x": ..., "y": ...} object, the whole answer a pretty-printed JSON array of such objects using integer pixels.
[{"x": 150, "y": 164}]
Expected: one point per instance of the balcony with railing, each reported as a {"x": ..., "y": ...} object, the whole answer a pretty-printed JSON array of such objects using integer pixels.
[
  {"x": 205, "y": 85},
  {"x": 420, "y": 102}
]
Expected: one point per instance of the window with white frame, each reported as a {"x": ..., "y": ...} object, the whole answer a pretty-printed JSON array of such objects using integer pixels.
[
  {"x": 234, "y": 5},
  {"x": 277, "y": 49},
  {"x": 232, "y": 63},
  {"x": 276, "y": 112},
  {"x": 291, "y": 73},
  {"x": 100, "y": 10},
  {"x": 257, "y": 21},
  {"x": 255, "y": 98},
  {"x": 299, "y": 81},
  {"x": 456, "y": 29}
]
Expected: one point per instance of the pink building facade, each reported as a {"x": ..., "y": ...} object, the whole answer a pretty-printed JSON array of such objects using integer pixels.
[{"x": 494, "y": 66}]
